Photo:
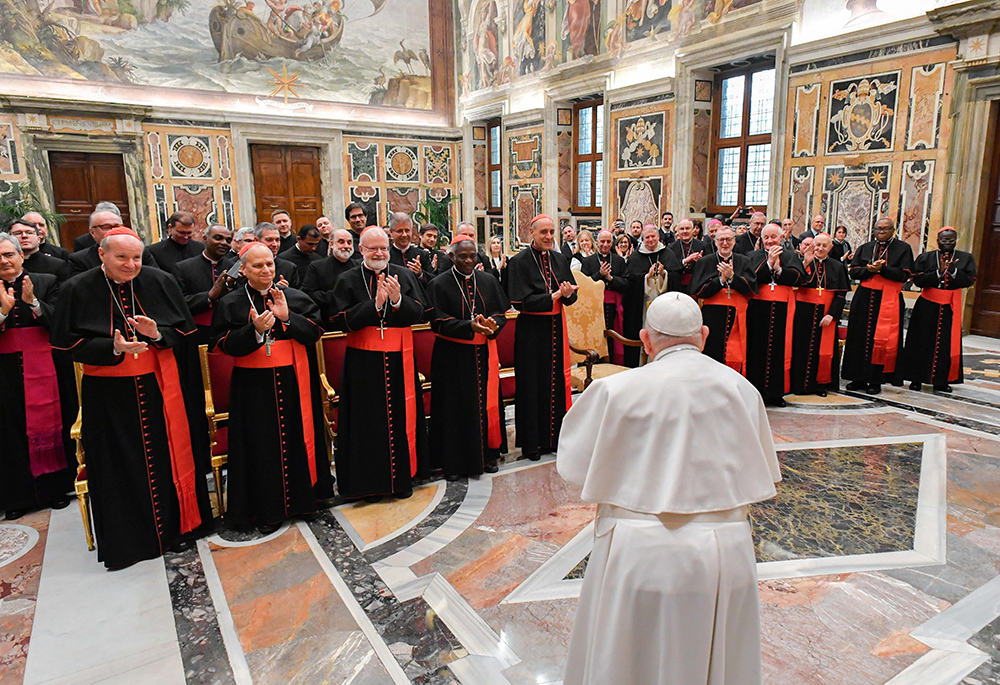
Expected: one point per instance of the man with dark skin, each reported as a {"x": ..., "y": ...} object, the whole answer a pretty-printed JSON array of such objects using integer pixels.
[
  {"x": 203, "y": 278},
  {"x": 303, "y": 252},
  {"x": 933, "y": 352},
  {"x": 466, "y": 310}
]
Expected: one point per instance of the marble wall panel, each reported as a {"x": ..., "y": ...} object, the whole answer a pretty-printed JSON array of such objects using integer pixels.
[
  {"x": 525, "y": 204},
  {"x": 699, "y": 160},
  {"x": 155, "y": 155},
  {"x": 805, "y": 126},
  {"x": 525, "y": 156},
  {"x": 190, "y": 156},
  {"x": 363, "y": 161},
  {"x": 402, "y": 163},
  {"x": 564, "y": 144},
  {"x": 926, "y": 96},
  {"x": 800, "y": 198},
  {"x": 856, "y": 197},
  {"x": 637, "y": 166},
  {"x": 915, "y": 200},
  {"x": 640, "y": 141},
  {"x": 479, "y": 176},
  {"x": 9, "y": 166},
  {"x": 437, "y": 164},
  {"x": 862, "y": 113},
  {"x": 400, "y": 199},
  {"x": 639, "y": 200},
  {"x": 200, "y": 201},
  {"x": 222, "y": 148}
]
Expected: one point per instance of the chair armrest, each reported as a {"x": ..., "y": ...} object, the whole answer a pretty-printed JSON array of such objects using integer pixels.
[
  {"x": 330, "y": 395},
  {"x": 592, "y": 356},
  {"x": 76, "y": 431},
  {"x": 614, "y": 335},
  {"x": 209, "y": 405},
  {"x": 422, "y": 377}
]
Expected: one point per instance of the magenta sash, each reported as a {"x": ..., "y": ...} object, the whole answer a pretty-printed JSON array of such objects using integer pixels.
[{"x": 42, "y": 412}]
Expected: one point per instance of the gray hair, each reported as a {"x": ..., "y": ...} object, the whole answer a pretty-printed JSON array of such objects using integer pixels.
[
  {"x": 243, "y": 232},
  {"x": 466, "y": 223},
  {"x": 8, "y": 238},
  {"x": 107, "y": 207},
  {"x": 398, "y": 218},
  {"x": 263, "y": 226}
]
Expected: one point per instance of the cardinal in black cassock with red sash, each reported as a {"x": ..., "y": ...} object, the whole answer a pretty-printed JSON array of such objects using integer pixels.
[
  {"x": 644, "y": 285},
  {"x": 381, "y": 434},
  {"x": 540, "y": 284},
  {"x": 122, "y": 323},
  {"x": 278, "y": 457},
  {"x": 933, "y": 352},
  {"x": 725, "y": 281},
  {"x": 819, "y": 302},
  {"x": 36, "y": 457},
  {"x": 467, "y": 311},
  {"x": 770, "y": 315},
  {"x": 874, "y": 342}
]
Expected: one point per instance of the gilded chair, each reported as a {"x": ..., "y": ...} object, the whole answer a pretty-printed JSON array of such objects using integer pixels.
[
  {"x": 423, "y": 351},
  {"x": 505, "y": 351},
  {"x": 330, "y": 351},
  {"x": 80, "y": 483},
  {"x": 216, "y": 373},
  {"x": 587, "y": 335}
]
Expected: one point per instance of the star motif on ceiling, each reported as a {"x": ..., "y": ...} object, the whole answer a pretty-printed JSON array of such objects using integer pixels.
[{"x": 283, "y": 82}]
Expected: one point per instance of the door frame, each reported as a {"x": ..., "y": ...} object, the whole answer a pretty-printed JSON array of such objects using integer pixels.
[
  {"x": 38, "y": 144},
  {"x": 331, "y": 177}
]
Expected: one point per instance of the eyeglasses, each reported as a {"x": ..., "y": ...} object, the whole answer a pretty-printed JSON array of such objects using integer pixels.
[
  {"x": 106, "y": 227},
  {"x": 375, "y": 249}
]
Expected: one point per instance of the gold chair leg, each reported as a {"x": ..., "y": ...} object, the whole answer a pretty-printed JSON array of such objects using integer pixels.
[
  {"x": 84, "y": 500},
  {"x": 217, "y": 473}
]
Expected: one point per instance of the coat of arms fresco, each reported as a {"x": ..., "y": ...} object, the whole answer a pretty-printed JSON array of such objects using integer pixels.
[
  {"x": 640, "y": 141},
  {"x": 862, "y": 113}
]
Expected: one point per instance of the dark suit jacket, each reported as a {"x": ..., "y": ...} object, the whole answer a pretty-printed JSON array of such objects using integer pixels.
[
  {"x": 168, "y": 253},
  {"x": 54, "y": 251},
  {"x": 300, "y": 259},
  {"x": 567, "y": 251},
  {"x": 82, "y": 242},
  {"x": 195, "y": 278},
  {"x": 41, "y": 263}
]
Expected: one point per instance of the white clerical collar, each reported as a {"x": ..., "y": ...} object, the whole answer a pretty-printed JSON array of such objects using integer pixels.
[
  {"x": 675, "y": 348},
  {"x": 459, "y": 273},
  {"x": 642, "y": 249},
  {"x": 376, "y": 271},
  {"x": 213, "y": 262}
]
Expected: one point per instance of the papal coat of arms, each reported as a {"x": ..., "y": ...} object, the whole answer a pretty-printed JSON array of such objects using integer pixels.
[
  {"x": 641, "y": 142},
  {"x": 862, "y": 113}
]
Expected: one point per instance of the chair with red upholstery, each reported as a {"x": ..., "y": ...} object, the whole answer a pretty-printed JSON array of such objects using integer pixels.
[
  {"x": 505, "y": 351},
  {"x": 216, "y": 375},
  {"x": 423, "y": 350}
]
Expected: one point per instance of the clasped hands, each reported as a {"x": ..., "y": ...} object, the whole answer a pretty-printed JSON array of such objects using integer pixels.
[
  {"x": 774, "y": 257},
  {"x": 387, "y": 289},
  {"x": 277, "y": 310},
  {"x": 8, "y": 300},
  {"x": 876, "y": 266},
  {"x": 484, "y": 325},
  {"x": 725, "y": 270},
  {"x": 566, "y": 289}
]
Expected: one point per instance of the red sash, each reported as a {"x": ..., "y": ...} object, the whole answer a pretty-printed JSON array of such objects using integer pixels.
[
  {"x": 953, "y": 298},
  {"x": 42, "y": 412},
  {"x": 736, "y": 343},
  {"x": 494, "y": 438},
  {"x": 618, "y": 325},
  {"x": 394, "y": 340},
  {"x": 782, "y": 293},
  {"x": 161, "y": 362},
  {"x": 886, "y": 344},
  {"x": 290, "y": 353},
  {"x": 567, "y": 362},
  {"x": 828, "y": 337}
]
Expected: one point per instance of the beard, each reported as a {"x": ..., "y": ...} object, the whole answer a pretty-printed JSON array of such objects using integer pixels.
[
  {"x": 343, "y": 254},
  {"x": 376, "y": 264}
]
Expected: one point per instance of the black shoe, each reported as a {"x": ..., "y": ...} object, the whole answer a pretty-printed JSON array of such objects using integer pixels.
[
  {"x": 182, "y": 545},
  {"x": 916, "y": 386},
  {"x": 532, "y": 456},
  {"x": 61, "y": 503},
  {"x": 820, "y": 393},
  {"x": 874, "y": 389},
  {"x": 491, "y": 467},
  {"x": 896, "y": 384},
  {"x": 942, "y": 388},
  {"x": 15, "y": 514},
  {"x": 309, "y": 517},
  {"x": 404, "y": 495},
  {"x": 857, "y": 386},
  {"x": 372, "y": 499},
  {"x": 268, "y": 528},
  {"x": 777, "y": 402},
  {"x": 452, "y": 478}
]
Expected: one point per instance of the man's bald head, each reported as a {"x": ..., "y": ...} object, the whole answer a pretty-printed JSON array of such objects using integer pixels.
[{"x": 605, "y": 242}]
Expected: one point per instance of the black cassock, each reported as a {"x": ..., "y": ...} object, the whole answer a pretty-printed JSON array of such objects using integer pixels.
[
  {"x": 928, "y": 352},
  {"x": 20, "y": 487},
  {"x": 169, "y": 253},
  {"x": 401, "y": 258},
  {"x": 269, "y": 472},
  {"x": 769, "y": 333},
  {"x": 862, "y": 321},
  {"x": 137, "y": 514},
  {"x": 541, "y": 394},
  {"x": 815, "y": 350},
  {"x": 634, "y": 303},
  {"x": 747, "y": 243},
  {"x": 682, "y": 250},
  {"x": 84, "y": 260},
  {"x": 720, "y": 318},
  {"x": 320, "y": 279},
  {"x": 614, "y": 292},
  {"x": 459, "y": 430},
  {"x": 373, "y": 445}
]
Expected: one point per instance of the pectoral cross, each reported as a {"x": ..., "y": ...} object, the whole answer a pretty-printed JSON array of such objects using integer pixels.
[
  {"x": 820, "y": 289},
  {"x": 267, "y": 343},
  {"x": 772, "y": 285},
  {"x": 381, "y": 329},
  {"x": 135, "y": 339}
]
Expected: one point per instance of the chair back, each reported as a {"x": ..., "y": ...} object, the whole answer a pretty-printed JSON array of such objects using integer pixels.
[
  {"x": 585, "y": 317},
  {"x": 423, "y": 349},
  {"x": 505, "y": 352},
  {"x": 216, "y": 376},
  {"x": 334, "y": 347}
]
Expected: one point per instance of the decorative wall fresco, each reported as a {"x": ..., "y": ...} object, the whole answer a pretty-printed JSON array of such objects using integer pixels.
[
  {"x": 915, "y": 197},
  {"x": 525, "y": 204},
  {"x": 529, "y": 35},
  {"x": 639, "y": 200},
  {"x": 485, "y": 45},
  {"x": 371, "y": 52},
  {"x": 640, "y": 141},
  {"x": 525, "y": 156},
  {"x": 188, "y": 170},
  {"x": 805, "y": 125},
  {"x": 926, "y": 97},
  {"x": 862, "y": 113},
  {"x": 579, "y": 28}
]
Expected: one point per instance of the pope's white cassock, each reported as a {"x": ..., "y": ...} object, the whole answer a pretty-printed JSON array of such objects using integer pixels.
[{"x": 672, "y": 453}]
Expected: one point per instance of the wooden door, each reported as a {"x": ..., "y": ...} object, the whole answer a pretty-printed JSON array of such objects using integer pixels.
[
  {"x": 986, "y": 311},
  {"x": 79, "y": 181},
  {"x": 287, "y": 177}
]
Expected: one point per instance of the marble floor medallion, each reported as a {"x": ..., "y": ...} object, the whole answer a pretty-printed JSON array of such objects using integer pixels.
[{"x": 15, "y": 541}]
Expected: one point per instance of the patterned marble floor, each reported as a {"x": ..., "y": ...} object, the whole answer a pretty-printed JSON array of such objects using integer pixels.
[{"x": 879, "y": 562}]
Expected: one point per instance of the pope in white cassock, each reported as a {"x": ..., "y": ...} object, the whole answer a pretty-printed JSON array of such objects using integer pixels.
[{"x": 672, "y": 453}]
